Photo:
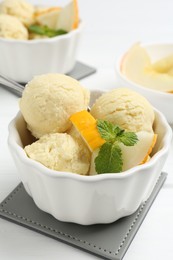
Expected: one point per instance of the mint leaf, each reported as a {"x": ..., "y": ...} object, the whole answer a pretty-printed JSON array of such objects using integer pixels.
[
  {"x": 108, "y": 131},
  {"x": 113, "y": 133},
  {"x": 45, "y": 30},
  {"x": 128, "y": 138},
  {"x": 109, "y": 159}
]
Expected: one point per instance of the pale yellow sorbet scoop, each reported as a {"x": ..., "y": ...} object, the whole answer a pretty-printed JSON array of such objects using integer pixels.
[
  {"x": 49, "y": 100},
  {"x": 126, "y": 108}
]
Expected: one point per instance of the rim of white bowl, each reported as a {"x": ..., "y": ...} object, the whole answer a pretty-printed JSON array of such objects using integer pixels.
[
  {"x": 45, "y": 40},
  {"x": 118, "y": 65},
  {"x": 14, "y": 136}
]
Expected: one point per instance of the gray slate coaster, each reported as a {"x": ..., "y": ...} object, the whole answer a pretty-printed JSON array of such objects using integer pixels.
[
  {"x": 109, "y": 241},
  {"x": 79, "y": 72}
]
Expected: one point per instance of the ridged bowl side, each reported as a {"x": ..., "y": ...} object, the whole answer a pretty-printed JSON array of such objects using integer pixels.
[{"x": 22, "y": 60}]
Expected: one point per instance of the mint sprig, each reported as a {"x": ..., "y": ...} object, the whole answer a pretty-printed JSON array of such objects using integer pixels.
[
  {"x": 45, "y": 30},
  {"x": 128, "y": 138},
  {"x": 107, "y": 130},
  {"x": 109, "y": 159}
]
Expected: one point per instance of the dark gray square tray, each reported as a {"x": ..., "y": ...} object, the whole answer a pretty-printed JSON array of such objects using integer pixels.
[{"x": 109, "y": 241}]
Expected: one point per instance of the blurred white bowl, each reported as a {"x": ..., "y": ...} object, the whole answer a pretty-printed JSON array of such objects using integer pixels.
[
  {"x": 88, "y": 200},
  {"x": 21, "y": 60},
  {"x": 161, "y": 100}
]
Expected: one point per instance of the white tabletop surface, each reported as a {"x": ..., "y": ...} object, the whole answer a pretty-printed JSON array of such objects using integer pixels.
[{"x": 111, "y": 26}]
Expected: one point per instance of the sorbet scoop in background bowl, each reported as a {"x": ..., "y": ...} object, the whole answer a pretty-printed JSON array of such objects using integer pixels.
[
  {"x": 148, "y": 69},
  {"x": 36, "y": 40},
  {"x": 55, "y": 167}
]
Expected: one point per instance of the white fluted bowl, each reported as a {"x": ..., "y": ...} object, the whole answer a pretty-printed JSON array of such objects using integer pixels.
[
  {"x": 88, "y": 200},
  {"x": 21, "y": 60}
]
